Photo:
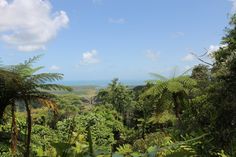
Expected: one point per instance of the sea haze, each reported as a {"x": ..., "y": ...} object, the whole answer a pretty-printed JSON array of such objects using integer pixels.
[{"x": 100, "y": 83}]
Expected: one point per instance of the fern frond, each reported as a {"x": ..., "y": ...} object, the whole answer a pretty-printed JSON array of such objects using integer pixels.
[
  {"x": 54, "y": 87},
  {"x": 187, "y": 81},
  {"x": 32, "y": 60},
  {"x": 158, "y": 76},
  {"x": 42, "y": 94},
  {"x": 45, "y": 77},
  {"x": 186, "y": 72},
  {"x": 34, "y": 70},
  {"x": 48, "y": 103},
  {"x": 161, "y": 118},
  {"x": 175, "y": 86}
]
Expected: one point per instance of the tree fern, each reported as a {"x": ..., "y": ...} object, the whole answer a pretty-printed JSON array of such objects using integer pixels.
[
  {"x": 173, "y": 92},
  {"x": 29, "y": 87}
]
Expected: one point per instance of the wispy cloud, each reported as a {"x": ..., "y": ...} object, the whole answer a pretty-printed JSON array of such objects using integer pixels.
[
  {"x": 117, "y": 21},
  {"x": 188, "y": 57},
  {"x": 29, "y": 48},
  {"x": 89, "y": 57},
  {"x": 152, "y": 55},
  {"x": 54, "y": 68},
  {"x": 29, "y": 24}
]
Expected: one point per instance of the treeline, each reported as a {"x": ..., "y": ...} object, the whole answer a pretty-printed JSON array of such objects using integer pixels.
[{"x": 186, "y": 115}]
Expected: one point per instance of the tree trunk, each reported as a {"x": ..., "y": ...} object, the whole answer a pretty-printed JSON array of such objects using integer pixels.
[
  {"x": 117, "y": 138},
  {"x": 29, "y": 127},
  {"x": 2, "y": 108},
  {"x": 176, "y": 107},
  {"x": 144, "y": 124},
  {"x": 13, "y": 130},
  {"x": 90, "y": 141}
]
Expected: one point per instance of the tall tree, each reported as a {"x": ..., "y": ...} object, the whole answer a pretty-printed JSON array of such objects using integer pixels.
[
  {"x": 170, "y": 93},
  {"x": 7, "y": 89},
  {"x": 32, "y": 87},
  {"x": 222, "y": 93},
  {"x": 120, "y": 97},
  {"x": 8, "y": 92}
]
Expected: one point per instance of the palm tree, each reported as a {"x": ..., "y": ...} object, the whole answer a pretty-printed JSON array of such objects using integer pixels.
[{"x": 31, "y": 87}]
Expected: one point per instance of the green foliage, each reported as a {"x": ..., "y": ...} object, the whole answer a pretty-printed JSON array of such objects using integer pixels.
[
  {"x": 120, "y": 97},
  {"x": 162, "y": 118},
  {"x": 180, "y": 116},
  {"x": 125, "y": 150}
]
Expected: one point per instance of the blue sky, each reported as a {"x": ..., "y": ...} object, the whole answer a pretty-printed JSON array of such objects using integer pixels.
[{"x": 104, "y": 39}]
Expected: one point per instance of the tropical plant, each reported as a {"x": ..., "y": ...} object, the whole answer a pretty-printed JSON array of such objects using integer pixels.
[
  {"x": 120, "y": 97},
  {"x": 32, "y": 87},
  {"x": 172, "y": 93}
]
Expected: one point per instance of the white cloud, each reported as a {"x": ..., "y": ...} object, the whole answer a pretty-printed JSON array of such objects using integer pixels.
[
  {"x": 3, "y": 3},
  {"x": 117, "y": 21},
  {"x": 89, "y": 57},
  {"x": 54, "y": 67},
  {"x": 29, "y": 24},
  {"x": 29, "y": 48},
  {"x": 234, "y": 6},
  {"x": 152, "y": 55},
  {"x": 213, "y": 48},
  {"x": 188, "y": 57}
]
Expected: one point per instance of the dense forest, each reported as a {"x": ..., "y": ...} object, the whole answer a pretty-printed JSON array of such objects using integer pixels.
[{"x": 193, "y": 114}]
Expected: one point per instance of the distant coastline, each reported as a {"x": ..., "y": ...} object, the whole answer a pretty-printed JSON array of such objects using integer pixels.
[{"x": 100, "y": 83}]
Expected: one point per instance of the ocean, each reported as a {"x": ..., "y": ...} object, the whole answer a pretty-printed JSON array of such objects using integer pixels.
[{"x": 100, "y": 83}]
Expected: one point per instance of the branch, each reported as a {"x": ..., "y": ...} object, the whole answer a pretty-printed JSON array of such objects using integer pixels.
[{"x": 199, "y": 58}]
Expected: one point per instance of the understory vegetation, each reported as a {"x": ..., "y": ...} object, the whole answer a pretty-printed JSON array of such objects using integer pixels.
[{"x": 193, "y": 114}]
